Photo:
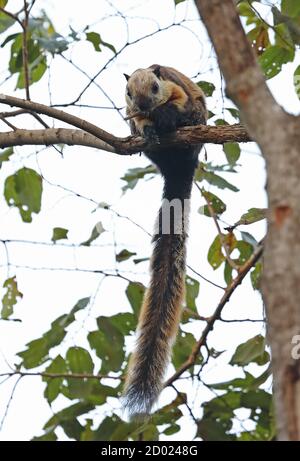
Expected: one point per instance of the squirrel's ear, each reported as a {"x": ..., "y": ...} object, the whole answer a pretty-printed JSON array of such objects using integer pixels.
[
  {"x": 127, "y": 76},
  {"x": 156, "y": 71}
]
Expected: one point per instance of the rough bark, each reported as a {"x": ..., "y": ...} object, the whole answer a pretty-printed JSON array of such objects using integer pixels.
[
  {"x": 277, "y": 134},
  {"x": 129, "y": 145}
]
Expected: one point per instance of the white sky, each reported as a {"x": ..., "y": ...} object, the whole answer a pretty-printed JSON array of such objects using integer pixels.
[{"x": 95, "y": 174}]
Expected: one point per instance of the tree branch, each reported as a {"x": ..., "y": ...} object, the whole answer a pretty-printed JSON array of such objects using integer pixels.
[
  {"x": 25, "y": 50},
  {"x": 128, "y": 145},
  {"x": 59, "y": 375},
  {"x": 216, "y": 315},
  {"x": 51, "y": 136}
]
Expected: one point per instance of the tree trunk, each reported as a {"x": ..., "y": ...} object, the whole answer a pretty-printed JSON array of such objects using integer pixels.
[{"x": 277, "y": 134}]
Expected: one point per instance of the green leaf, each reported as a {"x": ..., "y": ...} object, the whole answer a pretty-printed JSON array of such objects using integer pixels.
[
  {"x": 256, "y": 399},
  {"x": 215, "y": 255},
  {"x": 255, "y": 275},
  {"x": 10, "y": 298},
  {"x": 172, "y": 429},
  {"x": 5, "y": 22},
  {"x": 124, "y": 255},
  {"x": 97, "y": 393},
  {"x": 108, "y": 343},
  {"x": 178, "y": 1},
  {"x": 37, "y": 350},
  {"x": 207, "y": 87},
  {"x": 183, "y": 347},
  {"x": 191, "y": 292},
  {"x": 228, "y": 273},
  {"x": 5, "y": 154},
  {"x": 213, "y": 179},
  {"x": 69, "y": 414},
  {"x": 216, "y": 203},
  {"x": 291, "y": 8},
  {"x": 232, "y": 151},
  {"x": 8, "y": 39},
  {"x": 48, "y": 436},
  {"x": 107, "y": 428},
  {"x": 213, "y": 430},
  {"x": 78, "y": 360},
  {"x": 72, "y": 428},
  {"x": 252, "y": 350},
  {"x": 234, "y": 112},
  {"x": 273, "y": 58},
  {"x": 55, "y": 43},
  {"x": 59, "y": 233},
  {"x": 284, "y": 36},
  {"x": 170, "y": 412},
  {"x": 54, "y": 385},
  {"x": 140, "y": 260},
  {"x": 297, "y": 81},
  {"x": 135, "y": 293},
  {"x": 97, "y": 41},
  {"x": 23, "y": 190},
  {"x": 16, "y": 58},
  {"x": 81, "y": 304},
  {"x": 253, "y": 215},
  {"x": 133, "y": 175},
  {"x": 126, "y": 431},
  {"x": 97, "y": 230},
  {"x": 221, "y": 122},
  {"x": 244, "y": 9},
  {"x": 237, "y": 384},
  {"x": 245, "y": 250},
  {"x": 249, "y": 239},
  {"x": 125, "y": 322}
]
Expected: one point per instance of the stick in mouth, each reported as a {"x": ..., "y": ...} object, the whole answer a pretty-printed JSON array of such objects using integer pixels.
[{"x": 135, "y": 114}]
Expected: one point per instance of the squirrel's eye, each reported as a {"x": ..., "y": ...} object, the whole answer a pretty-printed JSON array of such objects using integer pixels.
[
  {"x": 154, "y": 88},
  {"x": 128, "y": 94}
]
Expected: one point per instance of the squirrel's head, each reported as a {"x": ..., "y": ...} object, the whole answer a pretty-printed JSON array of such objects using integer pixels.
[{"x": 145, "y": 90}]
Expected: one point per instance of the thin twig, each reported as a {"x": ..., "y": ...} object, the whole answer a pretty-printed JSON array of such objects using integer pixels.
[
  {"x": 221, "y": 235},
  {"x": 216, "y": 315},
  {"x": 25, "y": 50},
  {"x": 42, "y": 374},
  {"x": 11, "y": 15}
]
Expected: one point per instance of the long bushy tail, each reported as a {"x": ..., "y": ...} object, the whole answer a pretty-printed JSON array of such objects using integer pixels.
[
  {"x": 162, "y": 304},
  {"x": 158, "y": 324}
]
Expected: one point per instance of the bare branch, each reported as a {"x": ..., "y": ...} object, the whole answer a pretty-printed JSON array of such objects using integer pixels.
[
  {"x": 51, "y": 136},
  {"x": 216, "y": 315},
  {"x": 64, "y": 117},
  {"x": 130, "y": 144},
  {"x": 59, "y": 375},
  {"x": 25, "y": 50},
  {"x": 11, "y": 15}
]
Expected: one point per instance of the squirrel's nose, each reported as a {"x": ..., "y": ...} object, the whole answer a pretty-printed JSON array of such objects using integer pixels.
[{"x": 144, "y": 103}]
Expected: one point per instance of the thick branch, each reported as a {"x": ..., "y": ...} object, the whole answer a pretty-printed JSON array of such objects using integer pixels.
[
  {"x": 64, "y": 117},
  {"x": 131, "y": 144},
  {"x": 51, "y": 136}
]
